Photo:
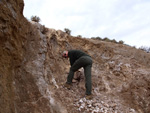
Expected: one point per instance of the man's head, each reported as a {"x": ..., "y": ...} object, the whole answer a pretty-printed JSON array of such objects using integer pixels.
[{"x": 65, "y": 54}]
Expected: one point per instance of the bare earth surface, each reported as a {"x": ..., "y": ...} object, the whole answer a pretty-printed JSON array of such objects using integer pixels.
[{"x": 33, "y": 72}]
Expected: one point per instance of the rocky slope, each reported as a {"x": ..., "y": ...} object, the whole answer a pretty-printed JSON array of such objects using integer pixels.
[{"x": 32, "y": 70}]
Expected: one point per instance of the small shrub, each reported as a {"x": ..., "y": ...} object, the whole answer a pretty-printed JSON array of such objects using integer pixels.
[
  {"x": 147, "y": 49},
  {"x": 114, "y": 41},
  {"x": 44, "y": 29},
  {"x": 92, "y": 37},
  {"x": 106, "y": 39},
  {"x": 35, "y": 19},
  {"x": 134, "y": 47},
  {"x": 79, "y": 36},
  {"x": 121, "y": 42},
  {"x": 96, "y": 38},
  {"x": 67, "y": 31},
  {"x": 99, "y": 38}
]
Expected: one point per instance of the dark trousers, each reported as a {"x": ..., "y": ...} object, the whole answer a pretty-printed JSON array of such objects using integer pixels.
[{"x": 86, "y": 63}]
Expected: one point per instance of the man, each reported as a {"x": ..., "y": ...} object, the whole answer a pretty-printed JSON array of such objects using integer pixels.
[{"x": 79, "y": 59}]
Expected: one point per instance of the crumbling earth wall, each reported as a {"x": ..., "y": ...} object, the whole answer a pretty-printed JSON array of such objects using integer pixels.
[{"x": 23, "y": 88}]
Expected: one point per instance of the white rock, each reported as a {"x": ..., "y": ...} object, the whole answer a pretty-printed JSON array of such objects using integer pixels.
[
  {"x": 132, "y": 110},
  {"x": 89, "y": 105},
  {"x": 80, "y": 100}
]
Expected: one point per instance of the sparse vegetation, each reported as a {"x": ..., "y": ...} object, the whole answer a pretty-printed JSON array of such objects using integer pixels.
[
  {"x": 114, "y": 41},
  {"x": 99, "y": 38},
  {"x": 79, "y": 36},
  {"x": 108, "y": 40},
  {"x": 121, "y": 42},
  {"x": 96, "y": 38},
  {"x": 35, "y": 19},
  {"x": 44, "y": 29},
  {"x": 68, "y": 31},
  {"x": 144, "y": 48},
  {"x": 134, "y": 47}
]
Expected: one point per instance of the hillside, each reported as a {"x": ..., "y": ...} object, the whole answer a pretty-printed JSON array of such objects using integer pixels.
[{"x": 32, "y": 70}]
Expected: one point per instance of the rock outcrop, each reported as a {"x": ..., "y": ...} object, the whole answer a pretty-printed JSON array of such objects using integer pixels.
[{"x": 32, "y": 70}]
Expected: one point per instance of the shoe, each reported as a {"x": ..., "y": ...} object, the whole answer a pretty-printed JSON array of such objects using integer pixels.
[
  {"x": 68, "y": 86},
  {"x": 88, "y": 97}
]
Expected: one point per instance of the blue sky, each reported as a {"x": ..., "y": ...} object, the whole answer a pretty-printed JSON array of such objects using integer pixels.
[{"x": 127, "y": 20}]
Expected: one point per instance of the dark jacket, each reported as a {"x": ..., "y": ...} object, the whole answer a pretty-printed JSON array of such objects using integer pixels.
[{"x": 75, "y": 54}]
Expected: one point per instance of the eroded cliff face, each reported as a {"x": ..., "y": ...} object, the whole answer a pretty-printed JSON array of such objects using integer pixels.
[{"x": 32, "y": 70}]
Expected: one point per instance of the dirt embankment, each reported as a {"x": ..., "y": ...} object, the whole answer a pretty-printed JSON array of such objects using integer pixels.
[{"x": 32, "y": 70}]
